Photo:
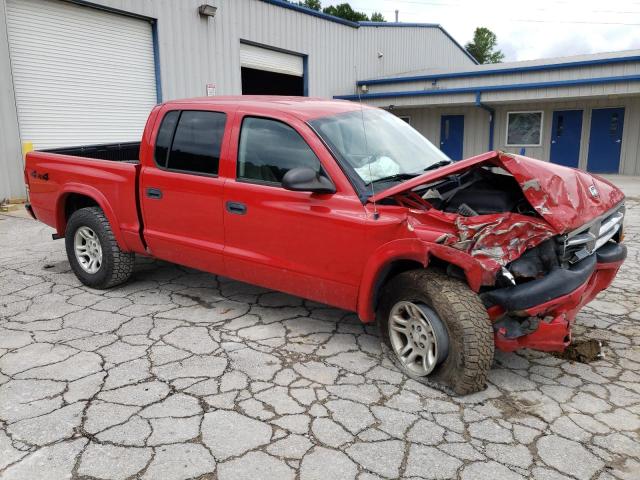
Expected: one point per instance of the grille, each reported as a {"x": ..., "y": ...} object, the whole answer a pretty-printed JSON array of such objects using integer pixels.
[{"x": 582, "y": 242}]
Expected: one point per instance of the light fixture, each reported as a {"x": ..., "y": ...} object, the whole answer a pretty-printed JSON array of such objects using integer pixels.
[{"x": 207, "y": 10}]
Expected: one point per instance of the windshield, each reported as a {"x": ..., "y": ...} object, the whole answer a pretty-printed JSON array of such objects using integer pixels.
[{"x": 378, "y": 145}]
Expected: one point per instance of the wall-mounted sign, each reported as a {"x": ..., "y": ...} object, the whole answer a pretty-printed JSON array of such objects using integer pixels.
[{"x": 211, "y": 89}]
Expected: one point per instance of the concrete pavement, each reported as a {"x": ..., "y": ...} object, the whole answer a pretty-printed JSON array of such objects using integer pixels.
[{"x": 181, "y": 374}]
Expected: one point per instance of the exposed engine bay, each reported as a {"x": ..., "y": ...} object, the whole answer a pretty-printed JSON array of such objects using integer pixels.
[{"x": 479, "y": 191}]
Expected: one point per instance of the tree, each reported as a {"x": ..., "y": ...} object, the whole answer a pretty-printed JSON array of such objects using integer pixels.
[
  {"x": 312, "y": 4},
  {"x": 482, "y": 48},
  {"x": 345, "y": 11}
]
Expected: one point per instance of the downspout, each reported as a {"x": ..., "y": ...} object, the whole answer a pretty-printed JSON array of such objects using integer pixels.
[{"x": 492, "y": 116}]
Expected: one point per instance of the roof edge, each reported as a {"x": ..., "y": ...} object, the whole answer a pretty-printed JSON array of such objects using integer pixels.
[
  {"x": 492, "y": 88},
  {"x": 312, "y": 12},
  {"x": 399, "y": 24},
  {"x": 502, "y": 71}
]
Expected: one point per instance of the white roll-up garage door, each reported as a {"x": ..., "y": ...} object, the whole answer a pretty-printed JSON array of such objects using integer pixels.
[
  {"x": 81, "y": 75},
  {"x": 260, "y": 58}
]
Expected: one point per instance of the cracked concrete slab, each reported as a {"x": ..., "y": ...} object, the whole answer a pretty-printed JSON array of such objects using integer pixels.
[{"x": 180, "y": 374}]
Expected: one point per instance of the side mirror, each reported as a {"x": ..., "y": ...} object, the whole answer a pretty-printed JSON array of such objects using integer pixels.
[{"x": 304, "y": 179}]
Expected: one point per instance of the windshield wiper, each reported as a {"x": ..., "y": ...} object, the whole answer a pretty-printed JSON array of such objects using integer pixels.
[
  {"x": 438, "y": 164},
  {"x": 407, "y": 176},
  {"x": 397, "y": 176}
]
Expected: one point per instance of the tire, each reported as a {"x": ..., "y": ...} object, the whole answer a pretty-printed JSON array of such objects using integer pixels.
[
  {"x": 469, "y": 345},
  {"x": 115, "y": 266}
]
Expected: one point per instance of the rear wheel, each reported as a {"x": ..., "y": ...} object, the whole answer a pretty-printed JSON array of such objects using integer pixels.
[
  {"x": 437, "y": 331},
  {"x": 93, "y": 252}
]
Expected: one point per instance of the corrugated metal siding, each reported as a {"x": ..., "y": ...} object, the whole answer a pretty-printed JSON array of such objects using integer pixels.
[
  {"x": 629, "y": 163},
  {"x": 427, "y": 122},
  {"x": 197, "y": 50},
  {"x": 549, "y": 93},
  {"x": 476, "y": 125}
]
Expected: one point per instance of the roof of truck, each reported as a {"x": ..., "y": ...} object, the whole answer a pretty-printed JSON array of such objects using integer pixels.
[{"x": 305, "y": 108}]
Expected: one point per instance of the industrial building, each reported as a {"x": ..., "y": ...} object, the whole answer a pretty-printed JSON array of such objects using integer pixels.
[
  {"x": 76, "y": 72},
  {"x": 581, "y": 111}
]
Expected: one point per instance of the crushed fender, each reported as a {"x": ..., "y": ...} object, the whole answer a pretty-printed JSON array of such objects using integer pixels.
[{"x": 496, "y": 240}]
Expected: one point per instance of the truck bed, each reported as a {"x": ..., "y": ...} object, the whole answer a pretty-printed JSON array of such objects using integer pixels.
[
  {"x": 120, "y": 152},
  {"x": 107, "y": 174}
]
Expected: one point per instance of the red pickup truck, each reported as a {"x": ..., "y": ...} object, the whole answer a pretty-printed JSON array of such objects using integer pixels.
[{"x": 349, "y": 206}]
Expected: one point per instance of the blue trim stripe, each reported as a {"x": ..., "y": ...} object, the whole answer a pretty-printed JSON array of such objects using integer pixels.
[
  {"x": 305, "y": 75},
  {"x": 156, "y": 60},
  {"x": 492, "y": 117},
  {"x": 331, "y": 18},
  {"x": 494, "y": 88},
  {"x": 502, "y": 71}
]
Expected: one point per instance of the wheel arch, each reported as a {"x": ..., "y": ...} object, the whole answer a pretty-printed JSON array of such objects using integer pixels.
[
  {"x": 402, "y": 255},
  {"x": 75, "y": 197}
]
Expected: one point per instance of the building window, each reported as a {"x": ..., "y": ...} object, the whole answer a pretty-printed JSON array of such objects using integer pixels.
[
  {"x": 524, "y": 129},
  {"x": 405, "y": 118}
]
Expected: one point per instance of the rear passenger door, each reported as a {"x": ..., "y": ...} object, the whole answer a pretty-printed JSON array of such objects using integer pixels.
[
  {"x": 299, "y": 242},
  {"x": 181, "y": 195}
]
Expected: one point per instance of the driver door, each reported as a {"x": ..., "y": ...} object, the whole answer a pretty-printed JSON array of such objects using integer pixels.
[{"x": 302, "y": 243}]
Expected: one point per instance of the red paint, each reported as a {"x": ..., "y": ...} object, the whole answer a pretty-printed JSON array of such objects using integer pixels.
[
  {"x": 556, "y": 334},
  {"x": 324, "y": 247}
]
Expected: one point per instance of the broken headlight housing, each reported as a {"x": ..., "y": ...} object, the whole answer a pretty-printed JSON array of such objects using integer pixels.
[{"x": 584, "y": 241}]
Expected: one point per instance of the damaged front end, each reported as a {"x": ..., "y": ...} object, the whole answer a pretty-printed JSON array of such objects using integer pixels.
[{"x": 547, "y": 238}]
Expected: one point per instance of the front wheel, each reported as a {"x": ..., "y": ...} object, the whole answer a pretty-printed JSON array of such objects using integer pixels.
[
  {"x": 93, "y": 252},
  {"x": 437, "y": 331}
]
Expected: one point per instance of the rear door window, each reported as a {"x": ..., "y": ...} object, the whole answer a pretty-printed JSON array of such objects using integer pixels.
[{"x": 190, "y": 141}]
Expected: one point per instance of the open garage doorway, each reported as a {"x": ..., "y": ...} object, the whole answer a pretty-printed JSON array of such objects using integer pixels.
[
  {"x": 268, "y": 71},
  {"x": 262, "y": 82}
]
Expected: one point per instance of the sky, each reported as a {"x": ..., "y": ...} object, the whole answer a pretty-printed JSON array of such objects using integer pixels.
[{"x": 526, "y": 30}]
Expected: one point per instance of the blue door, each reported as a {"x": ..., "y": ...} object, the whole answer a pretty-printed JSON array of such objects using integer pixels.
[
  {"x": 451, "y": 134},
  {"x": 566, "y": 130},
  {"x": 605, "y": 140}
]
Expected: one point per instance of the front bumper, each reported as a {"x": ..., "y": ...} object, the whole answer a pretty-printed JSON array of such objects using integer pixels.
[{"x": 539, "y": 314}]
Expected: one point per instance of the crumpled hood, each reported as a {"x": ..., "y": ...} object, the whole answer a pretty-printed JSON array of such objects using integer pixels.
[{"x": 565, "y": 197}]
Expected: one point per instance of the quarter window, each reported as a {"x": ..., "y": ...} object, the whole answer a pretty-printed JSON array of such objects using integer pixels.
[
  {"x": 269, "y": 149},
  {"x": 165, "y": 135},
  {"x": 524, "y": 129}
]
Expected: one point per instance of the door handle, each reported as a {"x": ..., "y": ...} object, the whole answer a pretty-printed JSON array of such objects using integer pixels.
[
  {"x": 154, "y": 193},
  {"x": 236, "y": 208}
]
